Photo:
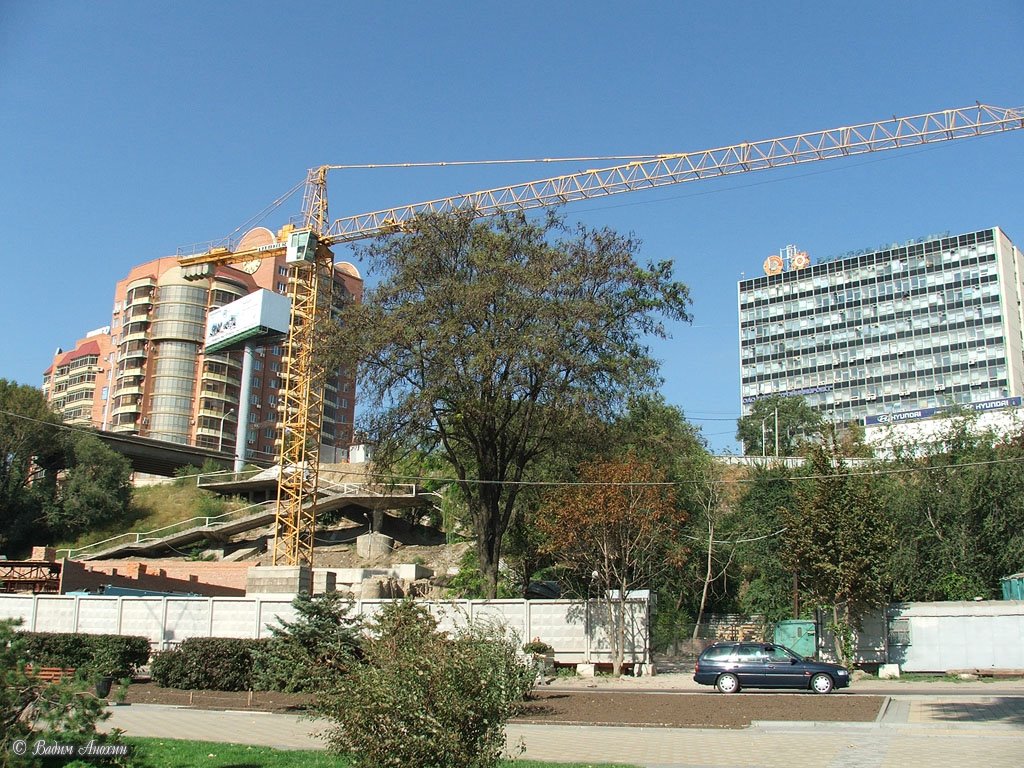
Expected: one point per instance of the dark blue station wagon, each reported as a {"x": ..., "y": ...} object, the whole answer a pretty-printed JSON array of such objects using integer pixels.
[{"x": 732, "y": 666}]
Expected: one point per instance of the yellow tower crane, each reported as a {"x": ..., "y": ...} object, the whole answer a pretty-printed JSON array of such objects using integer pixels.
[{"x": 308, "y": 253}]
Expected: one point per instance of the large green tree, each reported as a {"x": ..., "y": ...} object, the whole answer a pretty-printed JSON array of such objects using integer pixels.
[
  {"x": 482, "y": 339},
  {"x": 765, "y": 584},
  {"x": 839, "y": 541},
  {"x": 30, "y": 450},
  {"x": 958, "y": 503},
  {"x": 786, "y": 422},
  {"x": 94, "y": 488},
  {"x": 54, "y": 482}
]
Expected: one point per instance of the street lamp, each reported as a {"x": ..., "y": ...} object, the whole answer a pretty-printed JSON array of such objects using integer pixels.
[
  {"x": 220, "y": 441},
  {"x": 764, "y": 435}
]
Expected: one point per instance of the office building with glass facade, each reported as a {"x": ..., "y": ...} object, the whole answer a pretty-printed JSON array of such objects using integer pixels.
[{"x": 887, "y": 335}]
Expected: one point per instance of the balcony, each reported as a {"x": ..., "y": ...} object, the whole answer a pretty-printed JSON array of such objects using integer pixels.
[
  {"x": 214, "y": 432},
  {"x": 141, "y": 299},
  {"x": 126, "y": 408},
  {"x": 136, "y": 353},
  {"x": 221, "y": 377},
  {"x": 129, "y": 389},
  {"x": 142, "y": 282},
  {"x": 225, "y": 397},
  {"x": 130, "y": 372},
  {"x": 82, "y": 386},
  {"x": 215, "y": 413},
  {"x": 137, "y": 313},
  {"x": 135, "y": 334}
]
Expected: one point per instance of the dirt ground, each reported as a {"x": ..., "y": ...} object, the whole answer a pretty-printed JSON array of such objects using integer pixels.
[{"x": 604, "y": 707}]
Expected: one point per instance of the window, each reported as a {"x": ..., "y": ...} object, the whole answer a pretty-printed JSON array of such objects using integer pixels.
[
  {"x": 748, "y": 653},
  {"x": 899, "y": 632},
  {"x": 718, "y": 654},
  {"x": 777, "y": 654}
]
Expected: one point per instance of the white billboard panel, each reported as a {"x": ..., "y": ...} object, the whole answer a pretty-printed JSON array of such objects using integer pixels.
[{"x": 261, "y": 313}]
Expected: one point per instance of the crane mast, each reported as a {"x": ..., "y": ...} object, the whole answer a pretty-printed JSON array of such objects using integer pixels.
[{"x": 311, "y": 260}]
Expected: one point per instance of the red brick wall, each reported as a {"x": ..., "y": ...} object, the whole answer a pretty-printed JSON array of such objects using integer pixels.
[{"x": 202, "y": 578}]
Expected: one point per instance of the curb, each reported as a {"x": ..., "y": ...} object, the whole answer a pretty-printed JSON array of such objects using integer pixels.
[
  {"x": 884, "y": 709},
  {"x": 811, "y": 725}
]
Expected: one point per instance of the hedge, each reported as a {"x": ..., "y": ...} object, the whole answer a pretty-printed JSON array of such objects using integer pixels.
[
  {"x": 96, "y": 655},
  {"x": 207, "y": 663}
]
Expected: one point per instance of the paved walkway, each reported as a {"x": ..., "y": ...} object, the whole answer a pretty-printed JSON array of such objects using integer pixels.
[{"x": 926, "y": 730}]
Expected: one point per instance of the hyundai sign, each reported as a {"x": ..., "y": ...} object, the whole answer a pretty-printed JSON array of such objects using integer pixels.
[
  {"x": 261, "y": 313},
  {"x": 924, "y": 413}
]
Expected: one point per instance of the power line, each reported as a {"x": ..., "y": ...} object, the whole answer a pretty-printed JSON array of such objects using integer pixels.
[
  {"x": 736, "y": 541},
  {"x": 733, "y": 481},
  {"x": 578, "y": 483}
]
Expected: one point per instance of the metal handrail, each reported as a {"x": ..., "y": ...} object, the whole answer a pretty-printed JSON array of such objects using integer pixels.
[
  {"x": 181, "y": 525},
  {"x": 369, "y": 489},
  {"x": 227, "y": 476}
]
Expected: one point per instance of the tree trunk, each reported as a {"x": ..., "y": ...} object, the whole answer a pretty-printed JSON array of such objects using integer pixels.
[
  {"x": 707, "y": 584},
  {"x": 487, "y": 524},
  {"x": 618, "y": 633},
  {"x": 488, "y": 558}
]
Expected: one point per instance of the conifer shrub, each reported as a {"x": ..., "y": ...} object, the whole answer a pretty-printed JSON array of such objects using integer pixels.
[
  {"x": 308, "y": 653},
  {"x": 31, "y": 709}
]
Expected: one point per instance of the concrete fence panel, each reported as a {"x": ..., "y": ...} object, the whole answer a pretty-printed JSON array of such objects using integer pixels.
[{"x": 578, "y": 631}]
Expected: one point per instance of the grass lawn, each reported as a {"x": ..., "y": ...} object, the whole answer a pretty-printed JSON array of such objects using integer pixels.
[
  {"x": 160, "y": 505},
  {"x": 174, "y": 753}
]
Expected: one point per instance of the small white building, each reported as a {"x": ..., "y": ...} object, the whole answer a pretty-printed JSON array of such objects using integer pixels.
[{"x": 927, "y": 426}]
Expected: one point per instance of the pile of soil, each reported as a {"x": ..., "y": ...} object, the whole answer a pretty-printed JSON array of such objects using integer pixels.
[{"x": 608, "y": 707}]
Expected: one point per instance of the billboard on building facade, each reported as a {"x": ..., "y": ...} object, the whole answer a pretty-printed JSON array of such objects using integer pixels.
[
  {"x": 925, "y": 413},
  {"x": 261, "y": 313}
]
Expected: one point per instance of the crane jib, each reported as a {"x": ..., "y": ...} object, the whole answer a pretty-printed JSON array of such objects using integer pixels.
[{"x": 295, "y": 494}]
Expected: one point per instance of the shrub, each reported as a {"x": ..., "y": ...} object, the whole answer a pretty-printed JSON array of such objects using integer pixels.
[
  {"x": 56, "y": 649},
  {"x": 207, "y": 663},
  {"x": 117, "y": 655},
  {"x": 97, "y": 655},
  {"x": 320, "y": 644},
  {"x": 537, "y": 646},
  {"x": 422, "y": 698}
]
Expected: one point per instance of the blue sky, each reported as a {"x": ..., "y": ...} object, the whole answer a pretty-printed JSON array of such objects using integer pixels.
[{"x": 132, "y": 128}]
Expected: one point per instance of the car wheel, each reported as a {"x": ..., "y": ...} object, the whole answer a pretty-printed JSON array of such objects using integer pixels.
[
  {"x": 727, "y": 683},
  {"x": 821, "y": 683}
]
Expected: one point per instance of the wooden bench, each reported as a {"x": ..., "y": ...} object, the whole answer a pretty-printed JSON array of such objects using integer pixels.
[{"x": 50, "y": 674}]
